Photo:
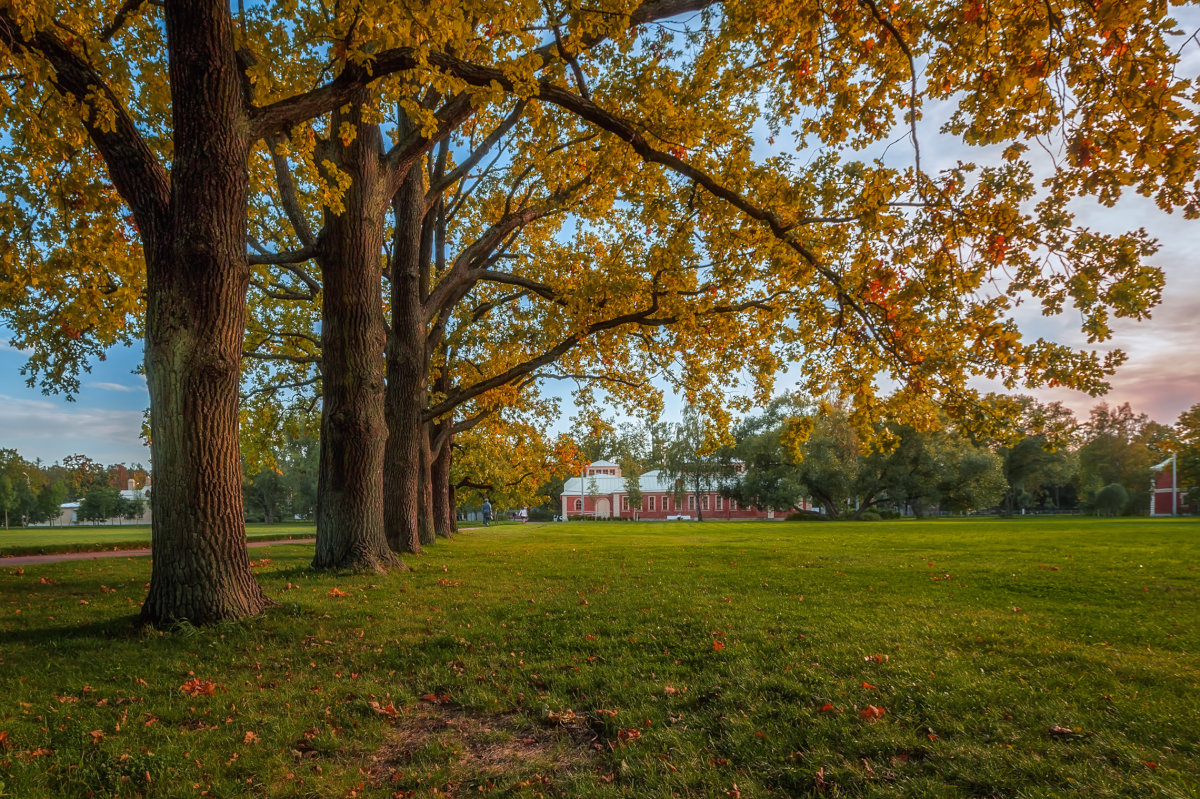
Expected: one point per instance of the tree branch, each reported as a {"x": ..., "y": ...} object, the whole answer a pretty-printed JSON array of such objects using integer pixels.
[
  {"x": 288, "y": 196},
  {"x": 136, "y": 173}
]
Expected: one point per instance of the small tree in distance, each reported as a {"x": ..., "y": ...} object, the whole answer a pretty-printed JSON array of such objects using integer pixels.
[{"x": 1110, "y": 500}]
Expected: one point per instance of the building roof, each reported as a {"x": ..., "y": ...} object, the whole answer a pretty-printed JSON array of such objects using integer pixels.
[{"x": 652, "y": 482}]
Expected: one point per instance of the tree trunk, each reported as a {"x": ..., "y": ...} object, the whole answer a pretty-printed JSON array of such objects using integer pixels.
[
  {"x": 350, "y": 507},
  {"x": 195, "y": 317},
  {"x": 444, "y": 515},
  {"x": 425, "y": 519},
  {"x": 406, "y": 370}
]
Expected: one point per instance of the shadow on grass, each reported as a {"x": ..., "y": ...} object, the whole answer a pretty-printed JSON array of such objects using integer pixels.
[{"x": 125, "y": 627}]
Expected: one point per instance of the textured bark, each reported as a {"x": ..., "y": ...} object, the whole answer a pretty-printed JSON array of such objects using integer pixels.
[
  {"x": 425, "y": 521},
  {"x": 444, "y": 512},
  {"x": 407, "y": 370},
  {"x": 350, "y": 531},
  {"x": 195, "y": 316}
]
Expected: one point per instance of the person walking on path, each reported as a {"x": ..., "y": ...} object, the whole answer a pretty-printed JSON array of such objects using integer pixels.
[{"x": 487, "y": 512}]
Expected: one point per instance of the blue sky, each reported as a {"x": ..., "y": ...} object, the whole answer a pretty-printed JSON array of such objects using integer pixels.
[{"x": 104, "y": 422}]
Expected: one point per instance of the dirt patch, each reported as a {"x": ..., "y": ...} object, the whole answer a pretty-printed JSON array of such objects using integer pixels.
[{"x": 466, "y": 747}]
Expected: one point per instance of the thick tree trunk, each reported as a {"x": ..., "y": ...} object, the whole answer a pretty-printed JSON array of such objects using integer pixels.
[
  {"x": 195, "y": 317},
  {"x": 350, "y": 530},
  {"x": 407, "y": 371},
  {"x": 444, "y": 512}
]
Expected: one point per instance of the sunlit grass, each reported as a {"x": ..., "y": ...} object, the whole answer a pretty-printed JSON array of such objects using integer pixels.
[{"x": 1008, "y": 658}]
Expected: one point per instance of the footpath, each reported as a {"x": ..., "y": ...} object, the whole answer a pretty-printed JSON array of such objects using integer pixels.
[{"x": 26, "y": 560}]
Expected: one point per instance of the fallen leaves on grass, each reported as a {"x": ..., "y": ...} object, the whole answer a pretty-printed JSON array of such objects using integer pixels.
[
  {"x": 250, "y": 737},
  {"x": 871, "y": 713},
  {"x": 1058, "y": 729},
  {"x": 337, "y": 592},
  {"x": 867, "y": 686},
  {"x": 198, "y": 687},
  {"x": 717, "y": 646},
  {"x": 388, "y": 710},
  {"x": 3, "y": 740}
]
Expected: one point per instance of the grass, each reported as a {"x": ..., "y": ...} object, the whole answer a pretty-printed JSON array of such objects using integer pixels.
[
  {"x": 88, "y": 538},
  {"x": 1030, "y": 658}
]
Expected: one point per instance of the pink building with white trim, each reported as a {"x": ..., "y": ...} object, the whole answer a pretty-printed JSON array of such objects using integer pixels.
[{"x": 601, "y": 493}]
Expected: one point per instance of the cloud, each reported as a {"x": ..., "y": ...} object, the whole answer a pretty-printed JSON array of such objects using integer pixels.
[
  {"x": 6, "y": 345},
  {"x": 52, "y": 430},
  {"x": 116, "y": 387}
]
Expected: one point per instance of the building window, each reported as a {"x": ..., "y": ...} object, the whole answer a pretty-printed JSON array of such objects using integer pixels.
[
  {"x": 733, "y": 504},
  {"x": 705, "y": 503},
  {"x": 624, "y": 503},
  {"x": 691, "y": 501},
  {"x": 579, "y": 504},
  {"x": 650, "y": 503},
  {"x": 666, "y": 502},
  {"x": 720, "y": 502}
]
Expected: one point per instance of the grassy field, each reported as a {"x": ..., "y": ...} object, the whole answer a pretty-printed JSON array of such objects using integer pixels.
[
  {"x": 86, "y": 537},
  {"x": 1024, "y": 658}
]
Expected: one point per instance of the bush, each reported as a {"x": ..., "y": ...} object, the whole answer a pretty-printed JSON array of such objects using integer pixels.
[
  {"x": 806, "y": 516},
  {"x": 1111, "y": 500},
  {"x": 869, "y": 516},
  {"x": 890, "y": 513},
  {"x": 541, "y": 515}
]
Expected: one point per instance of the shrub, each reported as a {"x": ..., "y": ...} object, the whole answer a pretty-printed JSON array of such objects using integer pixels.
[
  {"x": 1111, "y": 500},
  {"x": 869, "y": 516},
  {"x": 805, "y": 516},
  {"x": 540, "y": 514}
]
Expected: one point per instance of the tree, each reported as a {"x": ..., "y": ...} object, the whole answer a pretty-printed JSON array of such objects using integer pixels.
[
  {"x": 769, "y": 477},
  {"x": 1111, "y": 500},
  {"x": 100, "y": 504},
  {"x": 824, "y": 449},
  {"x": 691, "y": 461},
  {"x": 1188, "y": 461},
  {"x": 49, "y": 501},
  {"x": 8, "y": 497},
  {"x": 1120, "y": 447}
]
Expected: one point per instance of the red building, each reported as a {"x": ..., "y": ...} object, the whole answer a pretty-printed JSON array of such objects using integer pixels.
[
  {"x": 1165, "y": 488},
  {"x": 601, "y": 493}
]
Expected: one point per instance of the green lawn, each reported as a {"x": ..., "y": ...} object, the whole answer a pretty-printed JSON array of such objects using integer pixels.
[
  {"x": 1023, "y": 658},
  {"x": 86, "y": 537}
]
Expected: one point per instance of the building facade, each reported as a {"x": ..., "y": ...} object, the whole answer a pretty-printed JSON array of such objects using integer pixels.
[
  {"x": 600, "y": 493},
  {"x": 1167, "y": 497}
]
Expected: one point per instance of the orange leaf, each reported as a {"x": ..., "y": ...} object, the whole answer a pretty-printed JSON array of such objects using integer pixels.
[
  {"x": 3, "y": 739},
  {"x": 196, "y": 687},
  {"x": 388, "y": 710},
  {"x": 336, "y": 592},
  {"x": 870, "y": 713},
  {"x": 717, "y": 646},
  {"x": 867, "y": 686},
  {"x": 828, "y": 708},
  {"x": 250, "y": 737},
  {"x": 97, "y": 736}
]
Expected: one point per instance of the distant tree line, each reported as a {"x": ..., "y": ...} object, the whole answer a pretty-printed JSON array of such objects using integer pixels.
[
  {"x": 796, "y": 450},
  {"x": 32, "y": 492}
]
